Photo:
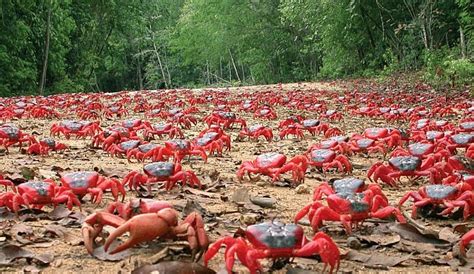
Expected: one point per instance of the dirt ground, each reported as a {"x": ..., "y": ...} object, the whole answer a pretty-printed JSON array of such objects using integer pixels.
[{"x": 377, "y": 246}]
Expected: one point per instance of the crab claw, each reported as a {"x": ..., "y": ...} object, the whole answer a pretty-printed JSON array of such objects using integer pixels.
[
  {"x": 465, "y": 240},
  {"x": 143, "y": 228},
  {"x": 93, "y": 225}
]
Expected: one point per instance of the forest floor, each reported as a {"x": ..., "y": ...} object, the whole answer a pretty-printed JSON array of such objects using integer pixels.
[{"x": 54, "y": 240}]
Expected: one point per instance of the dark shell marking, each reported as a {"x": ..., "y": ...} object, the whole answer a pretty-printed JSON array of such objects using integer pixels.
[
  {"x": 267, "y": 159},
  {"x": 276, "y": 234},
  {"x": 326, "y": 144},
  {"x": 42, "y": 188},
  {"x": 130, "y": 123},
  {"x": 254, "y": 128},
  {"x": 418, "y": 149},
  {"x": 160, "y": 126},
  {"x": 467, "y": 125},
  {"x": 49, "y": 142},
  {"x": 374, "y": 131},
  {"x": 321, "y": 155},
  {"x": 432, "y": 135},
  {"x": 463, "y": 138},
  {"x": 159, "y": 169},
  {"x": 347, "y": 185},
  {"x": 364, "y": 143},
  {"x": 79, "y": 179},
  {"x": 181, "y": 144},
  {"x": 72, "y": 125},
  {"x": 310, "y": 123},
  {"x": 439, "y": 191},
  {"x": 129, "y": 144},
  {"x": 340, "y": 138},
  {"x": 264, "y": 111},
  {"x": 358, "y": 204},
  {"x": 405, "y": 163},
  {"x": 147, "y": 147},
  {"x": 11, "y": 131}
]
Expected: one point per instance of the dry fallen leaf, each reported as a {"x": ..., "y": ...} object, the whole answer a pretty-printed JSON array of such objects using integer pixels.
[
  {"x": 10, "y": 253},
  {"x": 22, "y": 233},
  {"x": 376, "y": 259},
  {"x": 100, "y": 253},
  {"x": 379, "y": 239}
]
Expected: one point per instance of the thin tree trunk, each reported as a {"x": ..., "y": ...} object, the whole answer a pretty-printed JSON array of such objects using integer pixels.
[
  {"x": 235, "y": 67},
  {"x": 220, "y": 66},
  {"x": 139, "y": 72},
  {"x": 158, "y": 57},
  {"x": 230, "y": 73},
  {"x": 207, "y": 73},
  {"x": 243, "y": 72},
  {"x": 167, "y": 70},
  {"x": 46, "y": 51},
  {"x": 463, "y": 43}
]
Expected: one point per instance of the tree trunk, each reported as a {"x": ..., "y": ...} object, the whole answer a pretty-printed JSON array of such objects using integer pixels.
[
  {"x": 463, "y": 43},
  {"x": 235, "y": 67},
  {"x": 139, "y": 72},
  {"x": 46, "y": 51}
]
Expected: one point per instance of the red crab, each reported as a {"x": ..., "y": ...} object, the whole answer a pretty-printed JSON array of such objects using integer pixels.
[
  {"x": 347, "y": 185},
  {"x": 391, "y": 137},
  {"x": 410, "y": 166},
  {"x": 162, "y": 129},
  {"x": 460, "y": 140},
  {"x": 341, "y": 147},
  {"x": 77, "y": 128},
  {"x": 184, "y": 120},
  {"x": 349, "y": 208},
  {"x": 423, "y": 150},
  {"x": 294, "y": 119},
  {"x": 44, "y": 112},
  {"x": 123, "y": 148},
  {"x": 38, "y": 194},
  {"x": 224, "y": 118},
  {"x": 466, "y": 126},
  {"x": 11, "y": 134},
  {"x": 178, "y": 148},
  {"x": 140, "y": 152},
  {"x": 135, "y": 124},
  {"x": 44, "y": 146},
  {"x": 326, "y": 159},
  {"x": 273, "y": 164},
  {"x": 167, "y": 172},
  {"x": 147, "y": 227},
  {"x": 332, "y": 115},
  {"x": 274, "y": 240},
  {"x": 255, "y": 131},
  {"x": 113, "y": 135},
  {"x": 448, "y": 197},
  {"x": 213, "y": 142},
  {"x": 117, "y": 212},
  {"x": 265, "y": 112},
  {"x": 117, "y": 111},
  {"x": 293, "y": 129},
  {"x": 82, "y": 183},
  {"x": 366, "y": 145}
]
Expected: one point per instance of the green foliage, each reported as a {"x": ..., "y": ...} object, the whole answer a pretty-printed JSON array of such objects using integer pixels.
[{"x": 111, "y": 45}]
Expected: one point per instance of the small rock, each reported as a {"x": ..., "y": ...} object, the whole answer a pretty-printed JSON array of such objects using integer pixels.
[
  {"x": 302, "y": 189},
  {"x": 57, "y": 263},
  {"x": 261, "y": 183},
  {"x": 249, "y": 218},
  {"x": 353, "y": 243},
  {"x": 237, "y": 162}
]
